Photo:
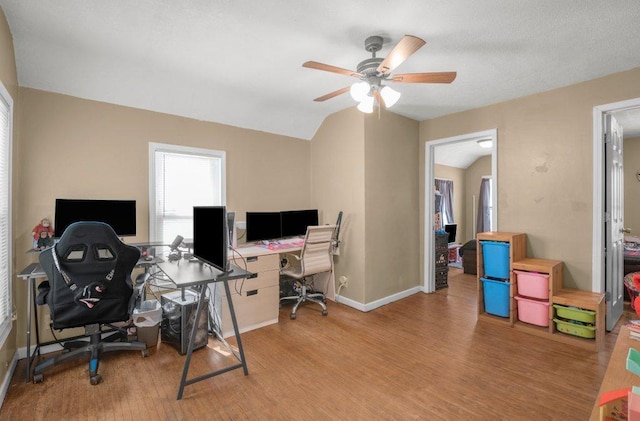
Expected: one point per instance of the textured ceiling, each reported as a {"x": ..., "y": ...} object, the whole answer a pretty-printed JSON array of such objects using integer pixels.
[{"x": 239, "y": 62}]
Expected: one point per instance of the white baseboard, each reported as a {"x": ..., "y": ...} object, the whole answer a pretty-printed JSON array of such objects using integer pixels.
[
  {"x": 378, "y": 303},
  {"x": 6, "y": 382}
]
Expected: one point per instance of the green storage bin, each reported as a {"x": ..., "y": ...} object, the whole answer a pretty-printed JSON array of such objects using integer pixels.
[
  {"x": 574, "y": 313},
  {"x": 575, "y": 329}
]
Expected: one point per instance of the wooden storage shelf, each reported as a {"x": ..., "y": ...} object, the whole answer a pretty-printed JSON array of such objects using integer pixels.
[
  {"x": 517, "y": 251},
  {"x": 557, "y": 293},
  {"x": 586, "y": 300}
]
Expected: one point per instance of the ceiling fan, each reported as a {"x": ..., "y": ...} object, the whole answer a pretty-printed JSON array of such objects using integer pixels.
[{"x": 373, "y": 71}]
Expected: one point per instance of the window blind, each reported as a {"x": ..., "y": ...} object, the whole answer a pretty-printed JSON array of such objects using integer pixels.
[{"x": 6, "y": 117}]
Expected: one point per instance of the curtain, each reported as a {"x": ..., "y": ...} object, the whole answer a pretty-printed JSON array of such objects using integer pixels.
[
  {"x": 445, "y": 187},
  {"x": 484, "y": 207}
]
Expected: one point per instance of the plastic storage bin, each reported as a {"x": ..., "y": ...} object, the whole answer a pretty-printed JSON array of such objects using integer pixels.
[
  {"x": 495, "y": 257},
  {"x": 533, "y": 311},
  {"x": 574, "y": 313},
  {"x": 532, "y": 284},
  {"x": 496, "y": 297},
  {"x": 573, "y": 328},
  {"x": 147, "y": 320}
]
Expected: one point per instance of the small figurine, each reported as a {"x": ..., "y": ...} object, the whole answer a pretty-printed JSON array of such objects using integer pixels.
[{"x": 42, "y": 235}]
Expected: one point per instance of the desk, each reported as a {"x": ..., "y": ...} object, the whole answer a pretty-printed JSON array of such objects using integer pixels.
[
  {"x": 194, "y": 275},
  {"x": 617, "y": 376},
  {"x": 30, "y": 274},
  {"x": 257, "y": 298}
]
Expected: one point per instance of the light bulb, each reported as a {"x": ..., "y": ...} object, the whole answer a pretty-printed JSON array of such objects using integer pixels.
[
  {"x": 359, "y": 90},
  {"x": 366, "y": 105},
  {"x": 389, "y": 96}
]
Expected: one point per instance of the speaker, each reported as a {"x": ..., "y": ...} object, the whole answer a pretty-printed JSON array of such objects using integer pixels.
[
  {"x": 231, "y": 226},
  {"x": 178, "y": 316}
]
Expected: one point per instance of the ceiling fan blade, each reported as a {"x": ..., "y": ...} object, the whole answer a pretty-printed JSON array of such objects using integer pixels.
[
  {"x": 332, "y": 94},
  {"x": 439, "y": 77},
  {"x": 407, "y": 46},
  {"x": 330, "y": 68}
]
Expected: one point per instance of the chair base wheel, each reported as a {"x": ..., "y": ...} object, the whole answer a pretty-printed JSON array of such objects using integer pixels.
[
  {"x": 94, "y": 380},
  {"x": 38, "y": 378},
  {"x": 145, "y": 353},
  {"x": 292, "y": 316},
  {"x": 325, "y": 312}
]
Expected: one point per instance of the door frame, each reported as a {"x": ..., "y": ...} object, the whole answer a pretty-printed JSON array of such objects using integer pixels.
[
  {"x": 598, "y": 276},
  {"x": 428, "y": 274}
]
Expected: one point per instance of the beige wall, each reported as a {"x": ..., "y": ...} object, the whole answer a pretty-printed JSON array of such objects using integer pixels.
[
  {"x": 337, "y": 165},
  {"x": 9, "y": 79},
  {"x": 544, "y": 165},
  {"x": 457, "y": 175},
  {"x": 481, "y": 167},
  {"x": 391, "y": 205},
  {"x": 75, "y": 148},
  {"x": 631, "y": 165}
]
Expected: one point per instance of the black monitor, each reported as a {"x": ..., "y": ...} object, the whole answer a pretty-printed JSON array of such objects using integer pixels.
[
  {"x": 451, "y": 230},
  {"x": 119, "y": 214},
  {"x": 263, "y": 226},
  {"x": 295, "y": 223},
  {"x": 210, "y": 236}
]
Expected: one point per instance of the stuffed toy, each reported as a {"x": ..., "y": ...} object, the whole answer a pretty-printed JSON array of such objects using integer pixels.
[{"x": 42, "y": 235}]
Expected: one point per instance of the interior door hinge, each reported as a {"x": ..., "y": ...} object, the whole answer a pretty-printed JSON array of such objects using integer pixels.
[
  {"x": 606, "y": 138},
  {"x": 607, "y": 296}
]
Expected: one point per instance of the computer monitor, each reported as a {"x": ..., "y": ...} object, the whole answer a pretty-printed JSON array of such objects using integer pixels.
[
  {"x": 451, "y": 230},
  {"x": 210, "y": 236},
  {"x": 295, "y": 222},
  {"x": 263, "y": 226},
  {"x": 119, "y": 214}
]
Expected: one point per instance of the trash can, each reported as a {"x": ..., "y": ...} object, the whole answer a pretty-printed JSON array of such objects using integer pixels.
[{"x": 147, "y": 320}]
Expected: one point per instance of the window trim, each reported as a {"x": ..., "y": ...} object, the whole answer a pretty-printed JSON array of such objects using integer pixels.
[
  {"x": 7, "y": 325},
  {"x": 185, "y": 150}
]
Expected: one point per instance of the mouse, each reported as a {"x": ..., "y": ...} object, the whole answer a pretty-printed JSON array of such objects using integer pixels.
[{"x": 148, "y": 258}]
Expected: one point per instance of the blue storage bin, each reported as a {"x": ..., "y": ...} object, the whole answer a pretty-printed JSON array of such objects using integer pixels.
[
  {"x": 496, "y": 297},
  {"x": 495, "y": 257}
]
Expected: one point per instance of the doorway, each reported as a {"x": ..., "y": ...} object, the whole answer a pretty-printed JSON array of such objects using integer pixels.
[
  {"x": 428, "y": 282},
  {"x": 607, "y": 275}
]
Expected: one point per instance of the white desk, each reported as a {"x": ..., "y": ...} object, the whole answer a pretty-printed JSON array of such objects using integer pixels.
[{"x": 257, "y": 298}]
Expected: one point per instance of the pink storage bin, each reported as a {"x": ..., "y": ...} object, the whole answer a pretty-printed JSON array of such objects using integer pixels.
[
  {"x": 533, "y": 311},
  {"x": 532, "y": 284}
]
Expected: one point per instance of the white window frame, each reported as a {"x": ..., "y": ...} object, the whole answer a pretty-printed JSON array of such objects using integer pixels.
[
  {"x": 6, "y": 235},
  {"x": 178, "y": 149}
]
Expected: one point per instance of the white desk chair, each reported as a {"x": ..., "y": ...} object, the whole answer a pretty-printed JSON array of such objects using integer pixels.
[{"x": 315, "y": 257}]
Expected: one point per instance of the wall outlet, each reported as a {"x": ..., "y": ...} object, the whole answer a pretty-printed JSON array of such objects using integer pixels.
[{"x": 343, "y": 280}]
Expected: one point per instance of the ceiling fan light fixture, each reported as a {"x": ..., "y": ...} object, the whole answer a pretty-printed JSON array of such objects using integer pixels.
[
  {"x": 359, "y": 90},
  {"x": 389, "y": 96},
  {"x": 485, "y": 143},
  {"x": 366, "y": 105}
]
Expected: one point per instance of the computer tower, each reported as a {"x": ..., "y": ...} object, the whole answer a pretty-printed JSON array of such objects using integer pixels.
[{"x": 178, "y": 315}]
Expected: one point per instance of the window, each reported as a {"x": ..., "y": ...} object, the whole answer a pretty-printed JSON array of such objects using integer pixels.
[
  {"x": 445, "y": 188},
  {"x": 180, "y": 178},
  {"x": 6, "y": 119},
  {"x": 484, "y": 206}
]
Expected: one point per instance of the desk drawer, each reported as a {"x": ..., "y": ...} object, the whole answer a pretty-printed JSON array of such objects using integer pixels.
[
  {"x": 256, "y": 281},
  {"x": 254, "y": 308},
  {"x": 268, "y": 262}
]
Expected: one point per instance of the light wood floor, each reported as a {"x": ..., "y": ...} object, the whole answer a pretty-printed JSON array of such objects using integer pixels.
[{"x": 423, "y": 357}]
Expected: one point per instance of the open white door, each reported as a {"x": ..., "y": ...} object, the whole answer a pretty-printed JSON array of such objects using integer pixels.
[{"x": 614, "y": 220}]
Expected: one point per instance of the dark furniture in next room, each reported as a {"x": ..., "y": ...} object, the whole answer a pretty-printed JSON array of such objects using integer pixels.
[{"x": 468, "y": 254}]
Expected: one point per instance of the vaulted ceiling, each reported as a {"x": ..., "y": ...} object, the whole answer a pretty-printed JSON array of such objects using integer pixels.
[{"x": 240, "y": 62}]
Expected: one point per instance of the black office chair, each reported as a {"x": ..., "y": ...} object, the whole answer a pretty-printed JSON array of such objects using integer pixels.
[
  {"x": 89, "y": 285},
  {"x": 316, "y": 257}
]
